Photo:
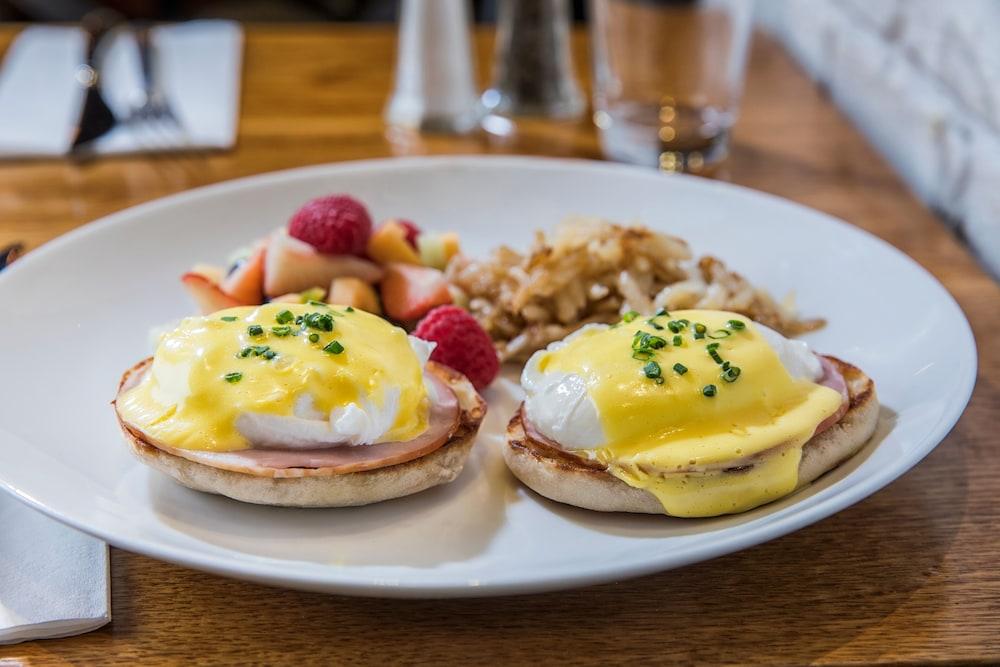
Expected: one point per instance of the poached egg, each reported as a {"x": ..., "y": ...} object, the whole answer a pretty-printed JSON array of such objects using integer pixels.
[
  {"x": 670, "y": 402},
  {"x": 286, "y": 376}
]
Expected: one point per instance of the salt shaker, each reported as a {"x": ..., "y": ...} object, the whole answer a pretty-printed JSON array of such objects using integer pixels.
[
  {"x": 435, "y": 90},
  {"x": 533, "y": 69}
]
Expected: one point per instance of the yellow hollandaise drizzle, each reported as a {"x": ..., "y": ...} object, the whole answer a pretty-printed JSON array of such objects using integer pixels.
[
  {"x": 263, "y": 359},
  {"x": 684, "y": 396}
]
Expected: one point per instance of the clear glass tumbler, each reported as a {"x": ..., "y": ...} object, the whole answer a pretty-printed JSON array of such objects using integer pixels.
[{"x": 668, "y": 76}]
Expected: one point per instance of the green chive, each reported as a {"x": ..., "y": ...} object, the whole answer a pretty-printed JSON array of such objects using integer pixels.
[
  {"x": 314, "y": 338},
  {"x": 678, "y": 341},
  {"x": 680, "y": 369},
  {"x": 229, "y": 318},
  {"x": 281, "y": 331},
  {"x": 284, "y": 317},
  {"x": 715, "y": 356},
  {"x": 233, "y": 377},
  {"x": 321, "y": 321},
  {"x": 629, "y": 316},
  {"x": 349, "y": 309},
  {"x": 652, "y": 370},
  {"x": 314, "y": 302},
  {"x": 730, "y": 374},
  {"x": 709, "y": 390},
  {"x": 662, "y": 312},
  {"x": 725, "y": 365},
  {"x": 270, "y": 354},
  {"x": 674, "y": 326},
  {"x": 719, "y": 334},
  {"x": 736, "y": 325},
  {"x": 244, "y": 353},
  {"x": 642, "y": 355},
  {"x": 698, "y": 336},
  {"x": 333, "y": 347},
  {"x": 683, "y": 323},
  {"x": 712, "y": 346},
  {"x": 255, "y": 330},
  {"x": 653, "y": 324},
  {"x": 700, "y": 328}
]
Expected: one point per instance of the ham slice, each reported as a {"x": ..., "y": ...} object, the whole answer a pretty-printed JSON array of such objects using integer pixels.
[
  {"x": 833, "y": 379},
  {"x": 443, "y": 421}
]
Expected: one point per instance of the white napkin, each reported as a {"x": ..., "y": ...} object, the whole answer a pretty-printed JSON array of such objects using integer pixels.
[
  {"x": 199, "y": 65},
  {"x": 53, "y": 579}
]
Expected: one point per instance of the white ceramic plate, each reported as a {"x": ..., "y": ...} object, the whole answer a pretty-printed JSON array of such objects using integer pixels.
[{"x": 77, "y": 312}]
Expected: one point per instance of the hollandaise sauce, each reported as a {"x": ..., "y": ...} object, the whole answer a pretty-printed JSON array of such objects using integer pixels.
[
  {"x": 696, "y": 408},
  {"x": 266, "y": 359}
]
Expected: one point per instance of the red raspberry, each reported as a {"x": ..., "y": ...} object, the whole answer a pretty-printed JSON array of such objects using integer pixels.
[
  {"x": 461, "y": 344},
  {"x": 412, "y": 231},
  {"x": 336, "y": 225}
]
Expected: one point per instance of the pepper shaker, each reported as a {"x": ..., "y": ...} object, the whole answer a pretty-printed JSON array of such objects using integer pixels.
[
  {"x": 434, "y": 90},
  {"x": 533, "y": 68}
]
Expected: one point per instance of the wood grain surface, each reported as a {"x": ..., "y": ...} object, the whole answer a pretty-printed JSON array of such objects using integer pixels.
[{"x": 909, "y": 576}]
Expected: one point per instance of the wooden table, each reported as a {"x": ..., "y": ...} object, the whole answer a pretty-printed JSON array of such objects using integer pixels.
[{"x": 908, "y": 576}]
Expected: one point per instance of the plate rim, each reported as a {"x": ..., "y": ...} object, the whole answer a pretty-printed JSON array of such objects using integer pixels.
[{"x": 832, "y": 500}]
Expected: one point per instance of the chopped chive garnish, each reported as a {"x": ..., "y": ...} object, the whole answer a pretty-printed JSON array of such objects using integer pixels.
[
  {"x": 321, "y": 321},
  {"x": 680, "y": 369},
  {"x": 683, "y": 322},
  {"x": 698, "y": 336},
  {"x": 233, "y": 377},
  {"x": 700, "y": 328},
  {"x": 709, "y": 390},
  {"x": 715, "y": 356},
  {"x": 257, "y": 351},
  {"x": 349, "y": 309},
  {"x": 284, "y": 317},
  {"x": 229, "y": 318},
  {"x": 629, "y": 316},
  {"x": 662, "y": 312},
  {"x": 255, "y": 330},
  {"x": 642, "y": 355},
  {"x": 333, "y": 347},
  {"x": 712, "y": 346},
  {"x": 730, "y": 374},
  {"x": 314, "y": 302},
  {"x": 736, "y": 325},
  {"x": 281, "y": 331},
  {"x": 651, "y": 322},
  {"x": 314, "y": 338},
  {"x": 725, "y": 365},
  {"x": 719, "y": 334},
  {"x": 674, "y": 327},
  {"x": 678, "y": 341},
  {"x": 652, "y": 370}
]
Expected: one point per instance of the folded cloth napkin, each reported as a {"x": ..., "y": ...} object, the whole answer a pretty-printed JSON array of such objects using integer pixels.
[
  {"x": 199, "y": 65},
  {"x": 53, "y": 579}
]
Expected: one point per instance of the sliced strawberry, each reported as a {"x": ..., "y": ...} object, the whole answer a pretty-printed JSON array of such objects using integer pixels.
[
  {"x": 207, "y": 293},
  {"x": 291, "y": 265},
  {"x": 409, "y": 292},
  {"x": 216, "y": 274},
  {"x": 246, "y": 282}
]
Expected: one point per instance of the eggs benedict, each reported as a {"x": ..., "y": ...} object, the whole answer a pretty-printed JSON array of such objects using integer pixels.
[
  {"x": 309, "y": 405},
  {"x": 690, "y": 413}
]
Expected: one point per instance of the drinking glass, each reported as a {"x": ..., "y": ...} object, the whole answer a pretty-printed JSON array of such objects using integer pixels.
[{"x": 668, "y": 75}]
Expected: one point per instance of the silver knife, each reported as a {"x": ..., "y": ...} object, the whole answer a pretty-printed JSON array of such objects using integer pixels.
[{"x": 96, "y": 118}]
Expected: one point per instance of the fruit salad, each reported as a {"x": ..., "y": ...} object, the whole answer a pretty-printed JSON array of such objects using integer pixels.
[{"x": 331, "y": 251}]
